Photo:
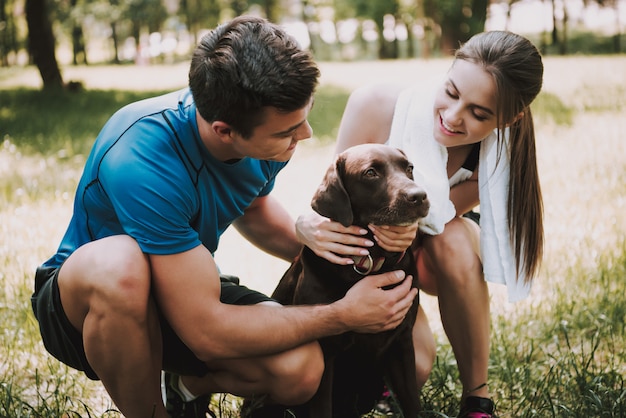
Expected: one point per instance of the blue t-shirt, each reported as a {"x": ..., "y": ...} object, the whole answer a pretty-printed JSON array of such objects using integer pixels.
[{"x": 149, "y": 176}]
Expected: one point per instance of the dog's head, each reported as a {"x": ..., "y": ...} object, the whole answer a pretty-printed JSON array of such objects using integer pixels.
[{"x": 371, "y": 183}]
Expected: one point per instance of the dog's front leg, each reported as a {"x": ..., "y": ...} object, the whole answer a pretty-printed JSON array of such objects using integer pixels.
[{"x": 401, "y": 375}]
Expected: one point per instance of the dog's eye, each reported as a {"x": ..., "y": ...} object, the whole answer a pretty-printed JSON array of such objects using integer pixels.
[
  {"x": 370, "y": 172},
  {"x": 409, "y": 170}
]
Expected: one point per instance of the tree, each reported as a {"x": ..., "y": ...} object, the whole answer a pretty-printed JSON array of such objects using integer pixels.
[
  {"x": 614, "y": 4},
  {"x": 69, "y": 14},
  {"x": 198, "y": 14},
  {"x": 459, "y": 20},
  {"x": 142, "y": 14},
  {"x": 41, "y": 43},
  {"x": 78, "y": 38},
  {"x": 376, "y": 10},
  {"x": 8, "y": 32}
]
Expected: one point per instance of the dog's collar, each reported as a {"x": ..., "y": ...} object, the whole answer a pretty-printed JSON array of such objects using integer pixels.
[{"x": 366, "y": 264}]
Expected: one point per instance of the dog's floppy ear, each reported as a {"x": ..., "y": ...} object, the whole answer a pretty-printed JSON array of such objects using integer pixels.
[{"x": 331, "y": 198}]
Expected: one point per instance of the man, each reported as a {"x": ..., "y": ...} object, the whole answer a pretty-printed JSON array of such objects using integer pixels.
[{"x": 134, "y": 289}]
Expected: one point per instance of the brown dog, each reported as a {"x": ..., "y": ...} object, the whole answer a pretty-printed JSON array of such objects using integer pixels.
[{"x": 366, "y": 184}]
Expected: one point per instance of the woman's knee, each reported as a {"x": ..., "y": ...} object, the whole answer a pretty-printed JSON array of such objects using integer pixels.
[
  {"x": 456, "y": 239},
  {"x": 453, "y": 255}
]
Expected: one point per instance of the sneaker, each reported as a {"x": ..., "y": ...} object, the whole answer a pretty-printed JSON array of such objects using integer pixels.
[
  {"x": 255, "y": 407},
  {"x": 476, "y": 407},
  {"x": 176, "y": 407},
  {"x": 386, "y": 405}
]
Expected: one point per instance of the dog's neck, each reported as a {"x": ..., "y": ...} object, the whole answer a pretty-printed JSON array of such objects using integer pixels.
[{"x": 376, "y": 259}]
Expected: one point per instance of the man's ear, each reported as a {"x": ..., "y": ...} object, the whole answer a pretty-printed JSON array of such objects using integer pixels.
[{"x": 222, "y": 129}]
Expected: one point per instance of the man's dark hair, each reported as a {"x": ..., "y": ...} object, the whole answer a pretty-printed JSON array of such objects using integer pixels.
[{"x": 246, "y": 65}]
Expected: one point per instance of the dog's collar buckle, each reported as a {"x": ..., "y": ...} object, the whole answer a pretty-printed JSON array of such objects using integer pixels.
[{"x": 366, "y": 264}]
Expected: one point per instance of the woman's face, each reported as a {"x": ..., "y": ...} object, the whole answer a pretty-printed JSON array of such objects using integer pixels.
[{"x": 465, "y": 106}]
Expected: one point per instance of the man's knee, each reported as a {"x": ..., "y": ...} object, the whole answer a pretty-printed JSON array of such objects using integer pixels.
[
  {"x": 299, "y": 372},
  {"x": 110, "y": 274}
]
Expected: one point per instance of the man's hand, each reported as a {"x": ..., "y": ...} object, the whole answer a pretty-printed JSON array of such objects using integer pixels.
[{"x": 367, "y": 308}]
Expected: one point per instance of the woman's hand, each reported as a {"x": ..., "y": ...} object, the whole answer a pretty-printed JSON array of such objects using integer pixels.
[
  {"x": 331, "y": 240},
  {"x": 394, "y": 238}
]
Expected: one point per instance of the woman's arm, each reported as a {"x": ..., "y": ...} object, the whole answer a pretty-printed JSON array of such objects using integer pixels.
[
  {"x": 464, "y": 196},
  {"x": 368, "y": 116}
]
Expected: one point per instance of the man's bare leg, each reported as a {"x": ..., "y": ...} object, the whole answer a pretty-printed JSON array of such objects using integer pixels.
[{"x": 105, "y": 292}]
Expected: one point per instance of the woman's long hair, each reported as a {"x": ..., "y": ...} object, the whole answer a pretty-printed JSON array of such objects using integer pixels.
[{"x": 517, "y": 69}]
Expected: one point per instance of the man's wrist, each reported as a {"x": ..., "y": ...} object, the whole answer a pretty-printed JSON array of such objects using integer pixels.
[{"x": 338, "y": 317}]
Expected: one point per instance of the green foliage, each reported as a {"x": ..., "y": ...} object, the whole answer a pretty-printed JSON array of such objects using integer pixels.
[
  {"x": 589, "y": 43},
  {"x": 327, "y": 112},
  {"x": 565, "y": 357},
  {"x": 66, "y": 123},
  {"x": 549, "y": 106},
  {"x": 459, "y": 20},
  {"x": 58, "y": 121}
]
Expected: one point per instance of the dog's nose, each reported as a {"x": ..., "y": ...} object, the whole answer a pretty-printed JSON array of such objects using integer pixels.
[{"x": 416, "y": 196}]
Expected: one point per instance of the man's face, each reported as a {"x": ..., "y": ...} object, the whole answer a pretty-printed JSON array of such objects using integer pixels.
[{"x": 276, "y": 138}]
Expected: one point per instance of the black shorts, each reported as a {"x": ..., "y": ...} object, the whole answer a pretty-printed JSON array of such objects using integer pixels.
[
  {"x": 473, "y": 215},
  {"x": 65, "y": 343}
]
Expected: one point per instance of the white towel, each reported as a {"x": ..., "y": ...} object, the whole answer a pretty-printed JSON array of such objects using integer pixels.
[
  {"x": 496, "y": 247},
  {"x": 412, "y": 131}
]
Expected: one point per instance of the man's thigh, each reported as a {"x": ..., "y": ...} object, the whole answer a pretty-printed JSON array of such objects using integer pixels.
[
  {"x": 177, "y": 357},
  {"x": 59, "y": 336}
]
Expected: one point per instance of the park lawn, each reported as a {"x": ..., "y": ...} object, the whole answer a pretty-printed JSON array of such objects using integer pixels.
[{"x": 560, "y": 353}]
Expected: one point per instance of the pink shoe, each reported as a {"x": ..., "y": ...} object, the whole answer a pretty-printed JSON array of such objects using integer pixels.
[{"x": 476, "y": 407}]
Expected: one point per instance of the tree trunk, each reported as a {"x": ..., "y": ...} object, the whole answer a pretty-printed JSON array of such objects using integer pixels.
[
  {"x": 555, "y": 33},
  {"x": 3, "y": 35},
  {"x": 563, "y": 44},
  {"x": 617, "y": 47},
  {"x": 41, "y": 43},
  {"x": 78, "y": 40},
  {"x": 78, "y": 45},
  {"x": 116, "y": 52}
]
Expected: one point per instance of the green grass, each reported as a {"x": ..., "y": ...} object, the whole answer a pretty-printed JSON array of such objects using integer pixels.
[
  {"x": 561, "y": 354},
  {"x": 58, "y": 121},
  {"x": 564, "y": 359},
  {"x": 66, "y": 123}
]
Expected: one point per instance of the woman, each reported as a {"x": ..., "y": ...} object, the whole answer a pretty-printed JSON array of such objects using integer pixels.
[{"x": 475, "y": 130}]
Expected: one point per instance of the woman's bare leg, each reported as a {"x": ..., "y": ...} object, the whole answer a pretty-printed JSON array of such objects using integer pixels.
[{"x": 453, "y": 263}]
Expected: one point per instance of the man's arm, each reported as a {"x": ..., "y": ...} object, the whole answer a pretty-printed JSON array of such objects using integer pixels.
[
  {"x": 269, "y": 226},
  {"x": 187, "y": 289}
]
